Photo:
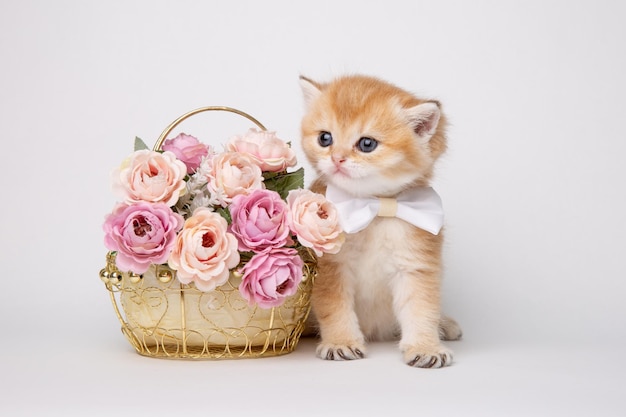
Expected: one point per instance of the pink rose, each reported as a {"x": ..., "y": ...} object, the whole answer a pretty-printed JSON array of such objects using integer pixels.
[
  {"x": 187, "y": 149},
  {"x": 271, "y": 276},
  {"x": 315, "y": 221},
  {"x": 150, "y": 176},
  {"x": 204, "y": 251},
  {"x": 271, "y": 153},
  {"x": 259, "y": 221},
  {"x": 233, "y": 174},
  {"x": 142, "y": 234}
]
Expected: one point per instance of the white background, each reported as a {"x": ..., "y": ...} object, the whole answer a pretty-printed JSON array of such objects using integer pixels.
[{"x": 533, "y": 186}]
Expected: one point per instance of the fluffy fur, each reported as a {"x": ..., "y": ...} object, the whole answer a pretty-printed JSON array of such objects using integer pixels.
[{"x": 385, "y": 281}]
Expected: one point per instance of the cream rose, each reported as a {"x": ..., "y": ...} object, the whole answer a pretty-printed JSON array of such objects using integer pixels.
[
  {"x": 268, "y": 150},
  {"x": 204, "y": 251},
  {"x": 233, "y": 174},
  {"x": 150, "y": 176},
  {"x": 315, "y": 221}
]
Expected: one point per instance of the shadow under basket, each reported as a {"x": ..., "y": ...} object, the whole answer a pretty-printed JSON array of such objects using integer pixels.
[{"x": 163, "y": 318}]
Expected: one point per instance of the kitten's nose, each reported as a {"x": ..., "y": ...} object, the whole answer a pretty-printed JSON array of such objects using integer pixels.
[{"x": 338, "y": 159}]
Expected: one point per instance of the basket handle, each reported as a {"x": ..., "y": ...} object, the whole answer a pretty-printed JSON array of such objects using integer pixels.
[{"x": 168, "y": 130}]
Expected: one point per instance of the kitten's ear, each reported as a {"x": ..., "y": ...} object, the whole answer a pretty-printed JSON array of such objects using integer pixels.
[
  {"x": 310, "y": 90},
  {"x": 424, "y": 119}
]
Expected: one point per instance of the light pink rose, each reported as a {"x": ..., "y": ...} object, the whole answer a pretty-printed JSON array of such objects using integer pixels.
[
  {"x": 150, "y": 176},
  {"x": 233, "y": 174},
  {"x": 259, "y": 221},
  {"x": 271, "y": 153},
  {"x": 142, "y": 234},
  {"x": 271, "y": 276},
  {"x": 188, "y": 149},
  {"x": 204, "y": 251},
  {"x": 315, "y": 221}
]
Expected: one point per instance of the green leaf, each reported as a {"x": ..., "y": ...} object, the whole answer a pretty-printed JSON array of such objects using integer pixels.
[
  {"x": 283, "y": 182},
  {"x": 245, "y": 256},
  {"x": 225, "y": 213},
  {"x": 140, "y": 144}
]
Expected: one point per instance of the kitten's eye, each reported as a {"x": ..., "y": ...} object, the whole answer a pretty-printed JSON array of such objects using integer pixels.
[
  {"x": 325, "y": 139},
  {"x": 367, "y": 144}
]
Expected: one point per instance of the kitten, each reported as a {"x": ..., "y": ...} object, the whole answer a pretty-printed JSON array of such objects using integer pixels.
[{"x": 369, "y": 138}]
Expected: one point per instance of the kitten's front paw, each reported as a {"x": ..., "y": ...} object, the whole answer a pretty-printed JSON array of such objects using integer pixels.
[
  {"x": 420, "y": 357},
  {"x": 334, "y": 352}
]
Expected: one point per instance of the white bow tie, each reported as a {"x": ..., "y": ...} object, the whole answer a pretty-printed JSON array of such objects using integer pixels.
[{"x": 419, "y": 206}]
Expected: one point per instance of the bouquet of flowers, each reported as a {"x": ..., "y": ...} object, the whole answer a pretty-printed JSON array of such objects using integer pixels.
[{"x": 208, "y": 214}]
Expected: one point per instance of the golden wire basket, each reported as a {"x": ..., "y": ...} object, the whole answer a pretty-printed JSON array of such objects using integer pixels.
[{"x": 163, "y": 318}]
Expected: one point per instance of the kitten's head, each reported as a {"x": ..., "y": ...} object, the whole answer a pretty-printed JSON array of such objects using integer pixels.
[{"x": 368, "y": 137}]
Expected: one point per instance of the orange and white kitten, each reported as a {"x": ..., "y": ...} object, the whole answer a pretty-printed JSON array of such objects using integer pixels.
[{"x": 369, "y": 138}]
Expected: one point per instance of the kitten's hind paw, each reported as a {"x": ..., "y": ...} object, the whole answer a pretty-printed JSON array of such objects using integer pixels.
[
  {"x": 427, "y": 358},
  {"x": 340, "y": 352},
  {"x": 449, "y": 329}
]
